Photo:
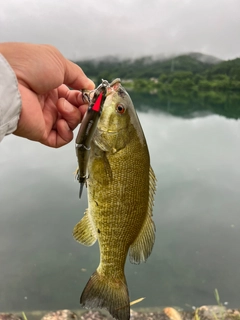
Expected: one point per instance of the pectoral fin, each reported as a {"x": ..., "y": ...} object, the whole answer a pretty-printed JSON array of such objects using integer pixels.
[
  {"x": 84, "y": 232},
  {"x": 142, "y": 247}
]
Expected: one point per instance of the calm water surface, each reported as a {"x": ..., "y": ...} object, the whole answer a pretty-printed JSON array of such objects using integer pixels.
[{"x": 196, "y": 158}]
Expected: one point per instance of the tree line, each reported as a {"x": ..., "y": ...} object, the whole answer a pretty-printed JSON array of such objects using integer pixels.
[{"x": 184, "y": 72}]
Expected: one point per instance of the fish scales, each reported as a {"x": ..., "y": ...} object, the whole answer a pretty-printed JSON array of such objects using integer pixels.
[
  {"x": 121, "y": 186},
  {"x": 118, "y": 208}
]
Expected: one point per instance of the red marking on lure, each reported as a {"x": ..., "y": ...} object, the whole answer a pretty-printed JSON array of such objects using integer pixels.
[{"x": 97, "y": 104}]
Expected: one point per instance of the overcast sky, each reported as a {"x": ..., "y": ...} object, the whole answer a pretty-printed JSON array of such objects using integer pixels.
[{"x": 129, "y": 28}]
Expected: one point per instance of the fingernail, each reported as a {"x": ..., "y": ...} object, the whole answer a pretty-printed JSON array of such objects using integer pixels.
[
  {"x": 66, "y": 126},
  {"x": 67, "y": 106}
]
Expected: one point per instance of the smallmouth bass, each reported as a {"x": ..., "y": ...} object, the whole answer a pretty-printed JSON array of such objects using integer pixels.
[{"x": 121, "y": 187}]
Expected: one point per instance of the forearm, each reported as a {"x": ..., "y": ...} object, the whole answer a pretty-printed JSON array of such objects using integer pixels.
[{"x": 10, "y": 99}]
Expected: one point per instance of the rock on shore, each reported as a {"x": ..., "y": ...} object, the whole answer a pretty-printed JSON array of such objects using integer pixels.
[{"x": 169, "y": 313}]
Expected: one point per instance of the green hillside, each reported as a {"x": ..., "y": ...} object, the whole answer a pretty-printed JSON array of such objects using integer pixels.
[
  {"x": 145, "y": 67},
  {"x": 194, "y": 71},
  {"x": 230, "y": 68}
]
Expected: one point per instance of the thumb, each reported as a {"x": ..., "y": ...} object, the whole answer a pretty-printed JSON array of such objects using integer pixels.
[{"x": 75, "y": 78}]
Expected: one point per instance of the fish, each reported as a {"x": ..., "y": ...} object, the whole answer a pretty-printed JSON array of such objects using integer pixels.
[{"x": 121, "y": 187}]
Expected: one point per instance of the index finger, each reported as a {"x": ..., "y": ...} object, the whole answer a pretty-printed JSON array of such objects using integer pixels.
[
  {"x": 73, "y": 96},
  {"x": 75, "y": 78}
]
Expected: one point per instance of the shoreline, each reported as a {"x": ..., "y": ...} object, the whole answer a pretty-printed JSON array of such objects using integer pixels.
[{"x": 213, "y": 312}]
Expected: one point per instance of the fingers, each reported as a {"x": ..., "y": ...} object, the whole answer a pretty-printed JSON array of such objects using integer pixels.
[
  {"x": 73, "y": 96},
  {"x": 59, "y": 137},
  {"x": 60, "y": 121},
  {"x": 75, "y": 78},
  {"x": 65, "y": 134},
  {"x": 69, "y": 113},
  {"x": 71, "y": 117}
]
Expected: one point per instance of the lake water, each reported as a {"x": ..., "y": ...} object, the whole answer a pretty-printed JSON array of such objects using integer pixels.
[{"x": 195, "y": 153}]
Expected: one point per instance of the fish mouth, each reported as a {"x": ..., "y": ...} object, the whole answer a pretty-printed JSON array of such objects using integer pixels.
[
  {"x": 116, "y": 82},
  {"x": 116, "y": 86}
]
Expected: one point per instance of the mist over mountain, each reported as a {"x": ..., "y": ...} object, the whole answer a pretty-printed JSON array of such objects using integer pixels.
[
  {"x": 205, "y": 58},
  {"x": 194, "y": 71},
  {"x": 150, "y": 66}
]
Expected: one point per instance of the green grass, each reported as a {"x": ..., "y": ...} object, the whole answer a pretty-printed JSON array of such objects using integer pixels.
[{"x": 24, "y": 316}]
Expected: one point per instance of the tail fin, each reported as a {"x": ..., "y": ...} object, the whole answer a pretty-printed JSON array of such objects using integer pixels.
[{"x": 104, "y": 293}]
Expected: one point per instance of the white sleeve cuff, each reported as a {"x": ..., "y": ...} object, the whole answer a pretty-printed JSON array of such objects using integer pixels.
[{"x": 10, "y": 99}]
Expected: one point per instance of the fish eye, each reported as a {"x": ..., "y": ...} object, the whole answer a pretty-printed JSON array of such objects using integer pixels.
[{"x": 120, "y": 109}]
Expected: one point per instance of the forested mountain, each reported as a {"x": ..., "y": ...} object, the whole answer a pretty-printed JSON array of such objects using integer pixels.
[
  {"x": 145, "y": 67},
  {"x": 230, "y": 68},
  {"x": 194, "y": 71}
]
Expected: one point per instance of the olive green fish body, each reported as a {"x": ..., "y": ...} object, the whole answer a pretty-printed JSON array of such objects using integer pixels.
[
  {"x": 120, "y": 186},
  {"x": 116, "y": 191}
]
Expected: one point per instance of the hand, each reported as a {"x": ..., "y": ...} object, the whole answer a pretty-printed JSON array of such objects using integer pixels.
[{"x": 50, "y": 111}]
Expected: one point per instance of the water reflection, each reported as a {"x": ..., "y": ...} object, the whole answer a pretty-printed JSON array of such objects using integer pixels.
[
  {"x": 189, "y": 104},
  {"x": 196, "y": 160}
]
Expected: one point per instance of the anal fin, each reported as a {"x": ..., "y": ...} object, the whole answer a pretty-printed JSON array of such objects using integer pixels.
[{"x": 84, "y": 232}]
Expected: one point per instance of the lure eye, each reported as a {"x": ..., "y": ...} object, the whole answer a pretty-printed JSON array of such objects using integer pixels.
[{"x": 120, "y": 109}]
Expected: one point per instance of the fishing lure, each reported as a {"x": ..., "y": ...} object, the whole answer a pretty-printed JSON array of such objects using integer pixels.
[{"x": 87, "y": 129}]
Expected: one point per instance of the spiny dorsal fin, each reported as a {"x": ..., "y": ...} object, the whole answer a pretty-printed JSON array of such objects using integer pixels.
[
  {"x": 142, "y": 247},
  {"x": 84, "y": 232}
]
